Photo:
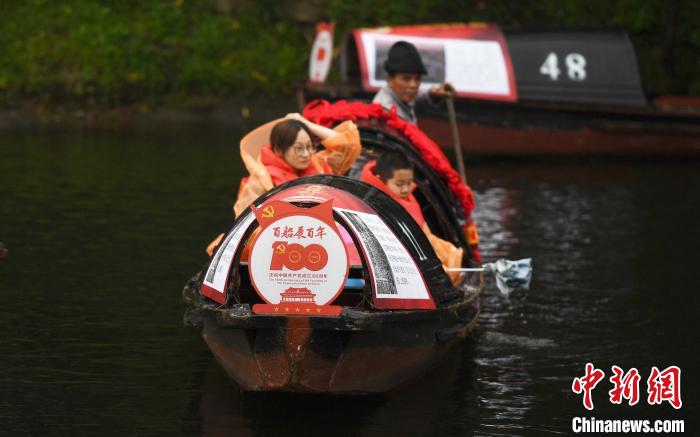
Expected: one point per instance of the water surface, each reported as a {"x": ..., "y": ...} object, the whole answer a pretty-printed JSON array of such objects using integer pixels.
[{"x": 104, "y": 228}]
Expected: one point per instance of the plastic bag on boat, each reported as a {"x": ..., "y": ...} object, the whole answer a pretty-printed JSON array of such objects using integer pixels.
[{"x": 511, "y": 274}]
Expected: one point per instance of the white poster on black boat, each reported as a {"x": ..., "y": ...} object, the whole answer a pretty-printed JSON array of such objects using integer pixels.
[
  {"x": 395, "y": 274},
  {"x": 474, "y": 67},
  {"x": 214, "y": 284}
]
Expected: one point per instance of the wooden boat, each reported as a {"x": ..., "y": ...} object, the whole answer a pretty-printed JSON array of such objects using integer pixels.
[
  {"x": 525, "y": 92},
  {"x": 394, "y": 314}
]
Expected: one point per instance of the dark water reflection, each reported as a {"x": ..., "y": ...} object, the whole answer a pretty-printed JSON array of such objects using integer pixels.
[{"x": 104, "y": 229}]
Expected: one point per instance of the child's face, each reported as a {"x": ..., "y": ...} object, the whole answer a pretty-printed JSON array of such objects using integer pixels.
[{"x": 401, "y": 182}]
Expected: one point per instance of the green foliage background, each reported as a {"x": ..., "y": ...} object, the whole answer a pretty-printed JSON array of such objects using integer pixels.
[{"x": 107, "y": 53}]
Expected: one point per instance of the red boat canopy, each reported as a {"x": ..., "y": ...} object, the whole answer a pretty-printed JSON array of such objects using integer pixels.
[{"x": 472, "y": 57}]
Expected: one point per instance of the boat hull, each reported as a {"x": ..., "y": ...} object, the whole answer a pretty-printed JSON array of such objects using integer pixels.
[
  {"x": 360, "y": 352},
  {"x": 558, "y": 130}
]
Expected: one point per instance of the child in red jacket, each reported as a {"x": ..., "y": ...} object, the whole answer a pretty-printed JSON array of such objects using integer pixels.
[{"x": 393, "y": 174}]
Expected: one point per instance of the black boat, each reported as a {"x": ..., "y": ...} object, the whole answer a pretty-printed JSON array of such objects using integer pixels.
[
  {"x": 525, "y": 92},
  {"x": 396, "y": 313}
]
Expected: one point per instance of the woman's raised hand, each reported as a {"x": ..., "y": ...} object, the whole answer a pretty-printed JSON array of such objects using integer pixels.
[
  {"x": 294, "y": 116},
  {"x": 321, "y": 132}
]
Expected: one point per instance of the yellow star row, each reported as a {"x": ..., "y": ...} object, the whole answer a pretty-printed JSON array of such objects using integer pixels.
[{"x": 297, "y": 309}]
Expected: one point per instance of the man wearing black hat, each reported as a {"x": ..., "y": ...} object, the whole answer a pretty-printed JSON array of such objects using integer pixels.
[{"x": 404, "y": 68}]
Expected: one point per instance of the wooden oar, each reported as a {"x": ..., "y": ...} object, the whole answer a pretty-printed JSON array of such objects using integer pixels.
[{"x": 455, "y": 137}]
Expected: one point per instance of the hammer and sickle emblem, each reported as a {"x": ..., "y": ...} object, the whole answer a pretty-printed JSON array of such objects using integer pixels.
[{"x": 268, "y": 212}]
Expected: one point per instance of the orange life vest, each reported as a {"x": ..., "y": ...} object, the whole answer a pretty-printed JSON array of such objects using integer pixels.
[{"x": 281, "y": 172}]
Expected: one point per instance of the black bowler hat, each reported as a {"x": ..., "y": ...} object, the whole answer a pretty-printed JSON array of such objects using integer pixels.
[{"x": 404, "y": 58}]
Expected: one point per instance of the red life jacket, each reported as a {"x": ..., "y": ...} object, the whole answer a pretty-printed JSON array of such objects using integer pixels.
[
  {"x": 281, "y": 172},
  {"x": 410, "y": 203}
]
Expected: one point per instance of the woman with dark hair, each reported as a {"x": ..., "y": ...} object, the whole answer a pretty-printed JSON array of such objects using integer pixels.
[
  {"x": 283, "y": 150},
  {"x": 290, "y": 153}
]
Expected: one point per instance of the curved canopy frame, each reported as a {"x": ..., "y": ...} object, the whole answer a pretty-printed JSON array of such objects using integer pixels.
[{"x": 397, "y": 219}]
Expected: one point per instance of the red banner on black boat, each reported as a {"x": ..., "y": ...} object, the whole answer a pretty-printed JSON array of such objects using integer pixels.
[{"x": 298, "y": 262}]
